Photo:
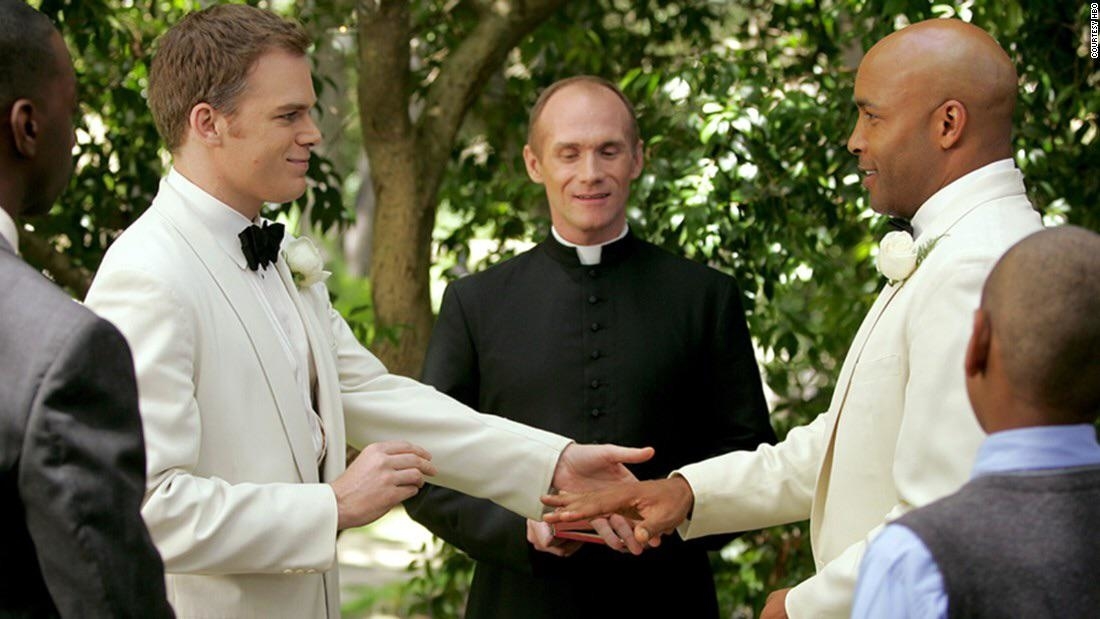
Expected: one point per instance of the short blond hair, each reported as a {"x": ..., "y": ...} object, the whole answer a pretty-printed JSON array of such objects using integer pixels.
[{"x": 206, "y": 57}]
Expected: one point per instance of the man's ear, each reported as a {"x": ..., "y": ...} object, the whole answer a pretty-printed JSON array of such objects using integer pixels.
[
  {"x": 639, "y": 160},
  {"x": 24, "y": 128},
  {"x": 977, "y": 350},
  {"x": 531, "y": 160},
  {"x": 950, "y": 119},
  {"x": 206, "y": 124}
]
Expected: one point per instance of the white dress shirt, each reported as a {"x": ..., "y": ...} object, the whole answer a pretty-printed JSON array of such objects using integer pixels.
[{"x": 225, "y": 224}]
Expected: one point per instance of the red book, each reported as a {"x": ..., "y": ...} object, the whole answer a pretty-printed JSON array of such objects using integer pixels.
[{"x": 580, "y": 530}]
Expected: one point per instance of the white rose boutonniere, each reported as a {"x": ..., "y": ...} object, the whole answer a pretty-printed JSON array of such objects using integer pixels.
[
  {"x": 899, "y": 256},
  {"x": 304, "y": 260}
]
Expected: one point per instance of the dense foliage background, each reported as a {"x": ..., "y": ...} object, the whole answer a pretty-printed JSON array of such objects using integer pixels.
[{"x": 744, "y": 107}]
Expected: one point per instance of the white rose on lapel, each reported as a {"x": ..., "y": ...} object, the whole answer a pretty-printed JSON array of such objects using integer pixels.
[
  {"x": 897, "y": 256},
  {"x": 305, "y": 262}
]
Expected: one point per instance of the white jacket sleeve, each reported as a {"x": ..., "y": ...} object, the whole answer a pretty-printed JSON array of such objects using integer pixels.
[
  {"x": 746, "y": 490},
  {"x": 481, "y": 455}
]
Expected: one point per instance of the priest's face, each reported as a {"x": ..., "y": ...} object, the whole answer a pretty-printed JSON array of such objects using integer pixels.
[{"x": 584, "y": 152}]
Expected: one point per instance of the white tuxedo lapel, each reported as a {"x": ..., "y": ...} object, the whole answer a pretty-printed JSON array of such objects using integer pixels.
[
  {"x": 328, "y": 380},
  {"x": 261, "y": 334},
  {"x": 843, "y": 384}
]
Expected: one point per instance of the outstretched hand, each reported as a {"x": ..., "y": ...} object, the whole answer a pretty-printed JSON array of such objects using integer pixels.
[
  {"x": 658, "y": 506},
  {"x": 585, "y": 468}
]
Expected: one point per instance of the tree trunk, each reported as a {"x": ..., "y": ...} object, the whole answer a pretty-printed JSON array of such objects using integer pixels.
[{"x": 408, "y": 159}]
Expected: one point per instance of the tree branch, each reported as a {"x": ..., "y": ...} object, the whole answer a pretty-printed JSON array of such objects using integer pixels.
[{"x": 501, "y": 25}]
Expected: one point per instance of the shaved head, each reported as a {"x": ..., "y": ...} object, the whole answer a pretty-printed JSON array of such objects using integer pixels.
[
  {"x": 1043, "y": 304},
  {"x": 942, "y": 59},
  {"x": 935, "y": 103}
]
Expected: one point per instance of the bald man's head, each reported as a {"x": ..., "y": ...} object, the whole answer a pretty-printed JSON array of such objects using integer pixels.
[
  {"x": 951, "y": 59},
  {"x": 1043, "y": 304},
  {"x": 936, "y": 100}
]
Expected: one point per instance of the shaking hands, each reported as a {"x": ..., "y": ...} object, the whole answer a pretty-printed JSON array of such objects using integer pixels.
[{"x": 657, "y": 507}]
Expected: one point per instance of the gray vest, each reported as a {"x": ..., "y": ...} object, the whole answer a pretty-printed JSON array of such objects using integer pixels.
[{"x": 1018, "y": 545}]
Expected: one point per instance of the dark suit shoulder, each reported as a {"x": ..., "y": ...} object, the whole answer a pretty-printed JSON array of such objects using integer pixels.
[
  {"x": 38, "y": 321},
  {"x": 36, "y": 314}
]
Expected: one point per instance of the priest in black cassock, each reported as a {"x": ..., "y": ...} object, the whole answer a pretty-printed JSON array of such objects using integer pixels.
[{"x": 601, "y": 336}]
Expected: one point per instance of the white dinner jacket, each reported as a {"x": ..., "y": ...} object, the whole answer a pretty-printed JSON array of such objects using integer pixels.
[
  {"x": 233, "y": 501},
  {"x": 899, "y": 432}
]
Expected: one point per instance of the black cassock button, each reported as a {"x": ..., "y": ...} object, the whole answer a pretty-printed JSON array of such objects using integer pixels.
[
  {"x": 595, "y": 412},
  {"x": 592, "y": 299},
  {"x": 595, "y": 354},
  {"x": 595, "y": 326},
  {"x": 595, "y": 383}
]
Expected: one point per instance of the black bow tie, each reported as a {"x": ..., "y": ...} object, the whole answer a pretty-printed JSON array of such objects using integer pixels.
[
  {"x": 261, "y": 245},
  {"x": 897, "y": 223}
]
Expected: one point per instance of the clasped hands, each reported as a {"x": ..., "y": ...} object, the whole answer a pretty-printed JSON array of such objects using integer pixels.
[
  {"x": 628, "y": 515},
  {"x": 388, "y": 472}
]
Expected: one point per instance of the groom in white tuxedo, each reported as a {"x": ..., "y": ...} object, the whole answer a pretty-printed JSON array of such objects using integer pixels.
[
  {"x": 933, "y": 138},
  {"x": 250, "y": 384}
]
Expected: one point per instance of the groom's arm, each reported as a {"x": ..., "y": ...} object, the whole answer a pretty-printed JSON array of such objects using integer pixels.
[
  {"x": 478, "y": 527},
  {"x": 481, "y": 455},
  {"x": 748, "y": 490},
  {"x": 509, "y": 463}
]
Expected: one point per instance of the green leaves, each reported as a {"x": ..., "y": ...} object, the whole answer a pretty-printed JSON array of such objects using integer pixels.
[{"x": 119, "y": 155}]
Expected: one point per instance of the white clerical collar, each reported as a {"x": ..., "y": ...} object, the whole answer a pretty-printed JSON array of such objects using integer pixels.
[
  {"x": 8, "y": 230},
  {"x": 223, "y": 221},
  {"x": 946, "y": 196},
  {"x": 588, "y": 254}
]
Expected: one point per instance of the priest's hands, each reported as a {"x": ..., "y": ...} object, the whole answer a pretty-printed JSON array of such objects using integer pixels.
[
  {"x": 618, "y": 533},
  {"x": 658, "y": 506},
  {"x": 383, "y": 475},
  {"x": 541, "y": 536}
]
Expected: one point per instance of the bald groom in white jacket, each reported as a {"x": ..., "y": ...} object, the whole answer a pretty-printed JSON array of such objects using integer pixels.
[{"x": 933, "y": 139}]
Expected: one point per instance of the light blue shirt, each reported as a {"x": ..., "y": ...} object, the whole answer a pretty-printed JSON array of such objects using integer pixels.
[{"x": 899, "y": 579}]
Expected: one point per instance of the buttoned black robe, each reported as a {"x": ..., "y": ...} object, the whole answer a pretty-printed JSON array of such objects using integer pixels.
[{"x": 645, "y": 348}]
